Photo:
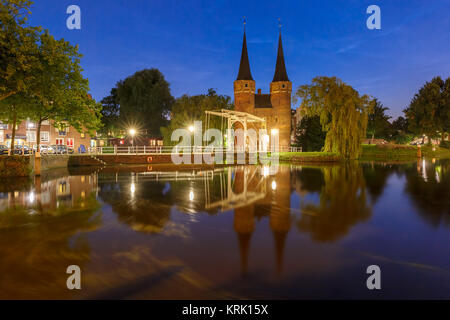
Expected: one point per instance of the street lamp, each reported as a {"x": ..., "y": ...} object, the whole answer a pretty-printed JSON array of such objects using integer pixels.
[
  {"x": 132, "y": 132},
  {"x": 191, "y": 128}
]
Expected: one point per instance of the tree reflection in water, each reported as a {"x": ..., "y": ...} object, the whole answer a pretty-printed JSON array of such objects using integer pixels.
[
  {"x": 342, "y": 204},
  {"x": 428, "y": 185}
]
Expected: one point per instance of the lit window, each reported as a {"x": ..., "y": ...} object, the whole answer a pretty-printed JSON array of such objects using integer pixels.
[
  {"x": 83, "y": 135},
  {"x": 45, "y": 136},
  {"x": 31, "y": 136}
]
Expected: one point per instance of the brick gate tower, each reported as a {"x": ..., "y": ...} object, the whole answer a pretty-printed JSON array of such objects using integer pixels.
[{"x": 275, "y": 107}]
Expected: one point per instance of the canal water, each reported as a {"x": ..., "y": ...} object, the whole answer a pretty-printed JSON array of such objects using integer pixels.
[{"x": 287, "y": 232}]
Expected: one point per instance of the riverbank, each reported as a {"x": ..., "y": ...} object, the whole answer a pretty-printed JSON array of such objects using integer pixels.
[{"x": 391, "y": 152}]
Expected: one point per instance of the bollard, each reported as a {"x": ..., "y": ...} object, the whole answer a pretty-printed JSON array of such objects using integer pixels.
[{"x": 37, "y": 164}]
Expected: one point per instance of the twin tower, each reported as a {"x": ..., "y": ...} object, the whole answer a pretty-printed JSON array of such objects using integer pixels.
[{"x": 275, "y": 107}]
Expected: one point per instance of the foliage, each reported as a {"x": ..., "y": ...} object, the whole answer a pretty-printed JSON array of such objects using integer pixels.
[
  {"x": 111, "y": 114},
  {"x": 50, "y": 86},
  {"x": 309, "y": 135},
  {"x": 17, "y": 48},
  {"x": 145, "y": 99},
  {"x": 188, "y": 109},
  {"x": 445, "y": 144},
  {"x": 60, "y": 91},
  {"x": 429, "y": 110},
  {"x": 343, "y": 113},
  {"x": 378, "y": 125}
]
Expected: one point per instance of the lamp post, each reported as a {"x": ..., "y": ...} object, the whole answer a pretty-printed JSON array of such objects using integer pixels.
[{"x": 132, "y": 133}]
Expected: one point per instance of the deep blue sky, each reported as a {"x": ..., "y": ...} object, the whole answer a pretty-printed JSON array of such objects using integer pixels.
[{"x": 197, "y": 44}]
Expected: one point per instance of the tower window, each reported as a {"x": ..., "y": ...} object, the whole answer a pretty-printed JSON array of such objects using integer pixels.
[
  {"x": 246, "y": 85},
  {"x": 282, "y": 85}
]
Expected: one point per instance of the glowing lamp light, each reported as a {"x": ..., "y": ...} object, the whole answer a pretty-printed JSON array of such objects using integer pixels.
[
  {"x": 274, "y": 131},
  {"x": 191, "y": 128},
  {"x": 274, "y": 185},
  {"x": 191, "y": 196},
  {"x": 132, "y": 132}
]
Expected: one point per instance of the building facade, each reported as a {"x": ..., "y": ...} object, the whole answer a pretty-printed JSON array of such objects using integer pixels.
[
  {"x": 26, "y": 134},
  {"x": 274, "y": 107}
]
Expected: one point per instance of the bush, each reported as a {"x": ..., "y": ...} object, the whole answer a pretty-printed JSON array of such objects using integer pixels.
[{"x": 445, "y": 144}]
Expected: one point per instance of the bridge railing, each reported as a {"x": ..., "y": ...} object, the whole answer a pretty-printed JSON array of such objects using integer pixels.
[{"x": 177, "y": 149}]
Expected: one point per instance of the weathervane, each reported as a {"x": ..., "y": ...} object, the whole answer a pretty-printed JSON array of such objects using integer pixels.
[
  {"x": 244, "y": 21},
  {"x": 279, "y": 23}
]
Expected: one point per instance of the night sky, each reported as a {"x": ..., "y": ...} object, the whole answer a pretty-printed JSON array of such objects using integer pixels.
[{"x": 197, "y": 44}]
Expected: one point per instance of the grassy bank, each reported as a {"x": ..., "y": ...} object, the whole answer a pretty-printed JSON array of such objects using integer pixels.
[
  {"x": 400, "y": 152},
  {"x": 369, "y": 153},
  {"x": 308, "y": 157}
]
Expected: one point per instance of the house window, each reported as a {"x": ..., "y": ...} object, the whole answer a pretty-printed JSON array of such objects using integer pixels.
[
  {"x": 45, "y": 136},
  {"x": 31, "y": 136},
  {"x": 59, "y": 141},
  {"x": 70, "y": 142},
  {"x": 4, "y": 126},
  {"x": 45, "y": 123},
  {"x": 31, "y": 125},
  {"x": 83, "y": 135}
]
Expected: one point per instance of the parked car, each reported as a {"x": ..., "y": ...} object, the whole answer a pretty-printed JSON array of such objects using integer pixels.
[
  {"x": 4, "y": 150},
  {"x": 62, "y": 149},
  {"x": 21, "y": 149},
  {"x": 45, "y": 149}
]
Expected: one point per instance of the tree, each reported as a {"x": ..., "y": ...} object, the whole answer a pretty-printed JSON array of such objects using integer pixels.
[
  {"x": 111, "y": 114},
  {"x": 400, "y": 124},
  {"x": 400, "y": 132},
  {"x": 309, "y": 135},
  {"x": 145, "y": 97},
  {"x": 378, "y": 125},
  {"x": 188, "y": 109},
  {"x": 429, "y": 110},
  {"x": 13, "y": 111},
  {"x": 17, "y": 48},
  {"x": 60, "y": 93},
  {"x": 343, "y": 113}
]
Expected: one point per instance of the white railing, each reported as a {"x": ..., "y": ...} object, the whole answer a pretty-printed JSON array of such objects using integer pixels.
[{"x": 177, "y": 149}]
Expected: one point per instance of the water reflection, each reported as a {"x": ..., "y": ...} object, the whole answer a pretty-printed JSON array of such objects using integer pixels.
[
  {"x": 220, "y": 232},
  {"x": 42, "y": 231},
  {"x": 428, "y": 186},
  {"x": 342, "y": 204}
]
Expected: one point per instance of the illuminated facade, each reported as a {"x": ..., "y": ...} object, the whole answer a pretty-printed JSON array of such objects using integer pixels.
[{"x": 274, "y": 107}]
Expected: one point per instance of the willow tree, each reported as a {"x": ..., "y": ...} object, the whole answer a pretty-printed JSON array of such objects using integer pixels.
[{"x": 343, "y": 113}]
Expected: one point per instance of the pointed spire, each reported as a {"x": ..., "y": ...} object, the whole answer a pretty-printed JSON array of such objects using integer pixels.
[
  {"x": 244, "y": 67},
  {"x": 280, "y": 67}
]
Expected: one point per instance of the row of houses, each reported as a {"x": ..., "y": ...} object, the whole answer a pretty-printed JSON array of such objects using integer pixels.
[{"x": 26, "y": 134}]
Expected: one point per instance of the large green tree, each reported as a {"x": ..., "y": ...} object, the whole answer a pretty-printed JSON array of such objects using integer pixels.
[
  {"x": 60, "y": 92},
  {"x": 145, "y": 99},
  {"x": 378, "y": 125},
  {"x": 188, "y": 109},
  {"x": 342, "y": 110},
  {"x": 111, "y": 114},
  {"x": 309, "y": 135},
  {"x": 429, "y": 110},
  {"x": 17, "y": 48}
]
